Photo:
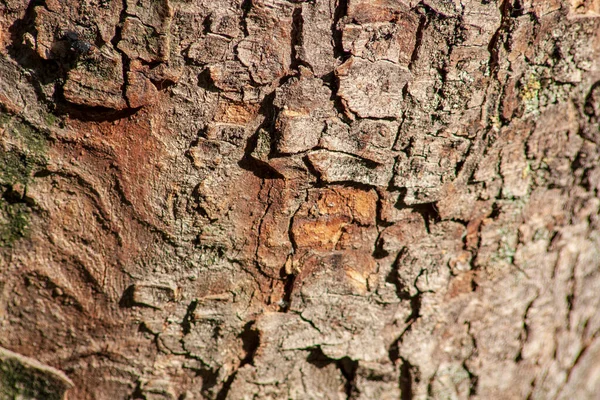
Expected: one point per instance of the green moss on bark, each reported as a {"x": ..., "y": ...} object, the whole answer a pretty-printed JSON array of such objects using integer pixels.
[{"x": 23, "y": 149}]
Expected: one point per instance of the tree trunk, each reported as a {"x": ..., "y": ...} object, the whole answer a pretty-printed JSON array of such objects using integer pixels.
[{"x": 318, "y": 199}]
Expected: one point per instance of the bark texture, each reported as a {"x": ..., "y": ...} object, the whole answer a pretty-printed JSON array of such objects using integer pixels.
[{"x": 327, "y": 199}]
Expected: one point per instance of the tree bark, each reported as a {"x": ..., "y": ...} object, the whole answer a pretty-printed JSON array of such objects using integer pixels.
[{"x": 319, "y": 199}]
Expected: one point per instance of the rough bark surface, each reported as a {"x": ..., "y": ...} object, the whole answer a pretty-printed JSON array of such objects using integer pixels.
[{"x": 328, "y": 199}]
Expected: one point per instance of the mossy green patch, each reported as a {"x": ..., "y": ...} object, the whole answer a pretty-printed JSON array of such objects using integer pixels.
[
  {"x": 263, "y": 146},
  {"x": 530, "y": 93},
  {"x": 50, "y": 119},
  {"x": 14, "y": 222},
  {"x": 4, "y": 118},
  {"x": 20, "y": 382},
  {"x": 23, "y": 148},
  {"x": 32, "y": 140},
  {"x": 14, "y": 168}
]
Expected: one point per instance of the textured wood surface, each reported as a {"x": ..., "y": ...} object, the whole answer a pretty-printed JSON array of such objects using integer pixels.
[{"x": 328, "y": 199}]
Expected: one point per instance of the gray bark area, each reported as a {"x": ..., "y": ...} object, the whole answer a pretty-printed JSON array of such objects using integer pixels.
[{"x": 328, "y": 199}]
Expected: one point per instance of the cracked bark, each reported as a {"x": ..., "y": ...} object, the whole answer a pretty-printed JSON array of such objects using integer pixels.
[{"x": 308, "y": 200}]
